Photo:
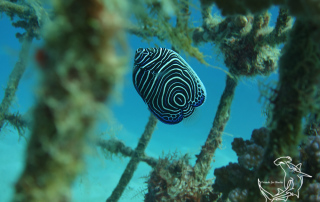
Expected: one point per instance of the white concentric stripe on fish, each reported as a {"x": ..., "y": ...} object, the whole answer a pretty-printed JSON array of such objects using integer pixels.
[
  {"x": 173, "y": 61},
  {"x": 165, "y": 65}
]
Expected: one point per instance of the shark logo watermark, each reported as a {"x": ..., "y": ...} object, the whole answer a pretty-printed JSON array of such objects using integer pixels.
[{"x": 292, "y": 181}]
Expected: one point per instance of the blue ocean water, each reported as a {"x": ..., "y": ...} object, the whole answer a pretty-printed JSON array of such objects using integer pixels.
[{"x": 130, "y": 116}]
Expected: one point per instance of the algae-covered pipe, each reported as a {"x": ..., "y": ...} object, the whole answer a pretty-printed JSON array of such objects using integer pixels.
[
  {"x": 79, "y": 67},
  {"x": 117, "y": 147},
  {"x": 295, "y": 97},
  {"x": 135, "y": 159},
  {"x": 14, "y": 78},
  {"x": 214, "y": 140},
  {"x": 23, "y": 11}
]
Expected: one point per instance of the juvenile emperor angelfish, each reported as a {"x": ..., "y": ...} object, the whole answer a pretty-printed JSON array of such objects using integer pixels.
[{"x": 167, "y": 84}]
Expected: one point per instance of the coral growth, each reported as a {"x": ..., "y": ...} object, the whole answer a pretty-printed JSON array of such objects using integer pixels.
[
  {"x": 250, "y": 152},
  {"x": 309, "y": 9},
  {"x": 248, "y": 44},
  {"x": 173, "y": 180},
  {"x": 312, "y": 148},
  {"x": 234, "y": 180},
  {"x": 246, "y": 53},
  {"x": 238, "y": 195},
  {"x": 312, "y": 193},
  {"x": 239, "y": 175}
]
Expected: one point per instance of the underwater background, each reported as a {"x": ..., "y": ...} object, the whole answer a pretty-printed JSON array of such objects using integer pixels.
[{"x": 128, "y": 115}]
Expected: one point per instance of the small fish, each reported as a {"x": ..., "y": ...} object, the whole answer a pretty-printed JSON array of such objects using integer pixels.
[{"x": 167, "y": 84}]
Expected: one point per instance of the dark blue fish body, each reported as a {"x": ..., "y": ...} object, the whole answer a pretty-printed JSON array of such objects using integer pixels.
[{"x": 167, "y": 84}]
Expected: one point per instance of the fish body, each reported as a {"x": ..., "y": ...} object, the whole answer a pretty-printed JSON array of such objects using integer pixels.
[{"x": 167, "y": 84}]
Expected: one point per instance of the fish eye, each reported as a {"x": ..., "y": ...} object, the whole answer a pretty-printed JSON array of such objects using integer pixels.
[{"x": 139, "y": 50}]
